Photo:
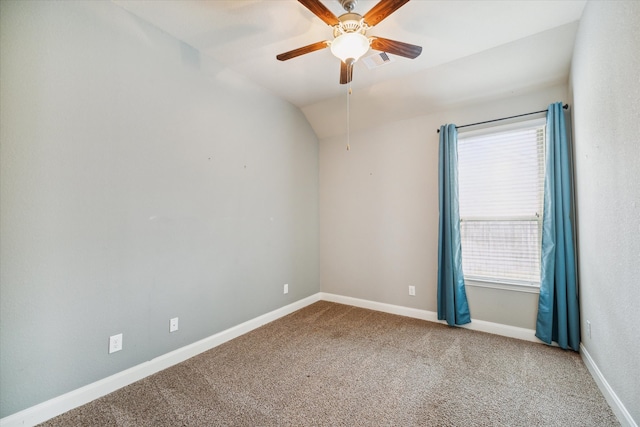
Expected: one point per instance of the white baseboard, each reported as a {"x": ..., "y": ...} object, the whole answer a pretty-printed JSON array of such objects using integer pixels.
[
  {"x": 612, "y": 398},
  {"x": 68, "y": 401},
  {"x": 81, "y": 396},
  {"x": 475, "y": 325},
  {"x": 381, "y": 306}
]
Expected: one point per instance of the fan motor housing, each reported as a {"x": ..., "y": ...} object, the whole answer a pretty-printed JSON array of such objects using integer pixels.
[{"x": 350, "y": 23}]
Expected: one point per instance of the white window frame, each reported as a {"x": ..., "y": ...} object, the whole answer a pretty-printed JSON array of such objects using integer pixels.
[{"x": 494, "y": 283}]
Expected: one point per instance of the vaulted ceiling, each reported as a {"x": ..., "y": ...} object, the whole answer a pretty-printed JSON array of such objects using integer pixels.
[{"x": 472, "y": 51}]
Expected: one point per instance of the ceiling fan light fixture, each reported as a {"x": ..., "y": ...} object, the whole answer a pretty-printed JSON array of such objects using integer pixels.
[{"x": 350, "y": 46}]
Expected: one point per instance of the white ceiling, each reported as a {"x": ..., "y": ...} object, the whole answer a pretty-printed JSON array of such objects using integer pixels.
[{"x": 472, "y": 50}]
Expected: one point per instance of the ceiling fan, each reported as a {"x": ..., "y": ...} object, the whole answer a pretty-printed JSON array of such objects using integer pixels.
[{"x": 349, "y": 31}]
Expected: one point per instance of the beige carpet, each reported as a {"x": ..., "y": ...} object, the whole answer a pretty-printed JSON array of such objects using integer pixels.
[{"x": 335, "y": 365}]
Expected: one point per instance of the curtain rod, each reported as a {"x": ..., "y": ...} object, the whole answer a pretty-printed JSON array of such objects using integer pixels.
[{"x": 565, "y": 106}]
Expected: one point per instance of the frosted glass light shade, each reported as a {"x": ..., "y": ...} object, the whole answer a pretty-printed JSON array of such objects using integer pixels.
[{"x": 350, "y": 45}]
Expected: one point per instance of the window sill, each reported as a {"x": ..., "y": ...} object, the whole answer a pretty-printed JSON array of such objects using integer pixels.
[{"x": 516, "y": 287}]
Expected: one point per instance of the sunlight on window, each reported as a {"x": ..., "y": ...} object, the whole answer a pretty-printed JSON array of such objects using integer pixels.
[{"x": 501, "y": 184}]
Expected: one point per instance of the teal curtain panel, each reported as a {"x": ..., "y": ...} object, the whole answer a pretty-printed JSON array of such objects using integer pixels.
[
  {"x": 558, "y": 309},
  {"x": 452, "y": 298}
]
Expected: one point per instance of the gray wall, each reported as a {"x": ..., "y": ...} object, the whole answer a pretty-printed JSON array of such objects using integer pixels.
[
  {"x": 605, "y": 82},
  {"x": 379, "y": 212},
  {"x": 140, "y": 182}
]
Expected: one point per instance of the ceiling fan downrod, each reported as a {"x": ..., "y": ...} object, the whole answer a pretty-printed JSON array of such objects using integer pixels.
[{"x": 348, "y": 5}]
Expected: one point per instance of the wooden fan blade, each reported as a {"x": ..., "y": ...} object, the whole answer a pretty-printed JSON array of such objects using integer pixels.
[
  {"x": 302, "y": 50},
  {"x": 397, "y": 48},
  {"x": 381, "y": 10},
  {"x": 320, "y": 11},
  {"x": 346, "y": 72}
]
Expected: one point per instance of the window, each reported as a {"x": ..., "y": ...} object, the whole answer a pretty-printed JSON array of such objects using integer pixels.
[{"x": 501, "y": 187}]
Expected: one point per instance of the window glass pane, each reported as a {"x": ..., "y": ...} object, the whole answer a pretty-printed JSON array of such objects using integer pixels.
[
  {"x": 502, "y": 250},
  {"x": 501, "y": 184},
  {"x": 499, "y": 175}
]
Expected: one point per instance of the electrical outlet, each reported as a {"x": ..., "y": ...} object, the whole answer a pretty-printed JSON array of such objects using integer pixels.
[
  {"x": 589, "y": 329},
  {"x": 173, "y": 324},
  {"x": 412, "y": 291},
  {"x": 115, "y": 343},
  {"x": 286, "y": 288}
]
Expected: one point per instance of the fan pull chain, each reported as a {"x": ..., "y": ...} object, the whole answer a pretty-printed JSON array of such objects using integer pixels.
[{"x": 348, "y": 117}]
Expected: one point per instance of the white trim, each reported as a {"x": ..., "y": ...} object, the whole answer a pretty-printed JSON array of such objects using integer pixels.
[
  {"x": 612, "y": 398},
  {"x": 516, "y": 123},
  {"x": 381, "y": 306},
  {"x": 83, "y": 395},
  {"x": 75, "y": 398},
  {"x": 475, "y": 325},
  {"x": 516, "y": 287}
]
